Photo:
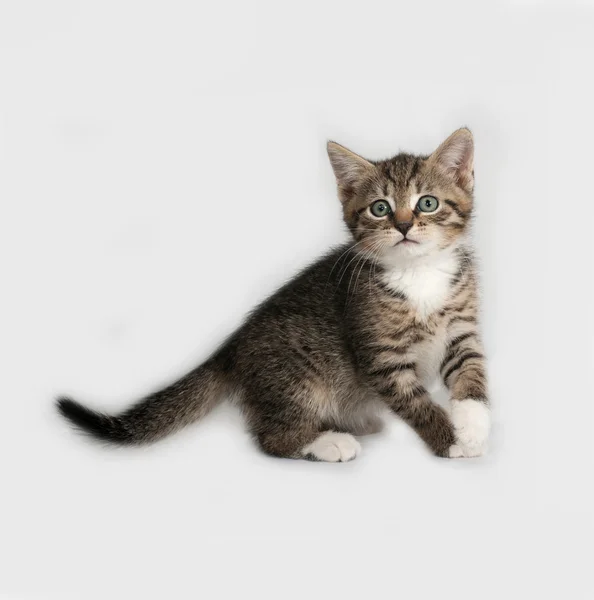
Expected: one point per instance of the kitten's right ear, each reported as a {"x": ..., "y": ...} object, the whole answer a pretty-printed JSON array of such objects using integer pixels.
[
  {"x": 455, "y": 157},
  {"x": 348, "y": 167}
]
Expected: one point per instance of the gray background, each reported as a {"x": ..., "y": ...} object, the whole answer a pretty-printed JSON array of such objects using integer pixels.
[{"x": 162, "y": 169}]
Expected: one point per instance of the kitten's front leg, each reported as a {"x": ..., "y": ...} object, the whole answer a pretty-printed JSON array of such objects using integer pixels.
[
  {"x": 398, "y": 385},
  {"x": 463, "y": 372}
]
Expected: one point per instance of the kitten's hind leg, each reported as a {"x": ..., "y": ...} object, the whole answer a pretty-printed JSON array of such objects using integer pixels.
[
  {"x": 365, "y": 417},
  {"x": 332, "y": 446},
  {"x": 327, "y": 446},
  {"x": 287, "y": 429},
  {"x": 298, "y": 441}
]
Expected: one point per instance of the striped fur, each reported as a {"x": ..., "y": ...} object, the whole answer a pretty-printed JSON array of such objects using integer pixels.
[{"x": 369, "y": 326}]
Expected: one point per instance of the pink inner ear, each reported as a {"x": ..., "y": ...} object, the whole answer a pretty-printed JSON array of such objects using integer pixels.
[
  {"x": 456, "y": 154},
  {"x": 456, "y": 157}
]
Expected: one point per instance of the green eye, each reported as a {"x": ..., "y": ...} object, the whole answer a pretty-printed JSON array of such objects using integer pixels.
[
  {"x": 427, "y": 204},
  {"x": 380, "y": 208}
]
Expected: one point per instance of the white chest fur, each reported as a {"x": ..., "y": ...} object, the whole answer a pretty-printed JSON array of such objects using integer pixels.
[{"x": 425, "y": 281}]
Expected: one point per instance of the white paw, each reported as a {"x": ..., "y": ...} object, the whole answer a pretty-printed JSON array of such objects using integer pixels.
[
  {"x": 456, "y": 451},
  {"x": 333, "y": 447},
  {"x": 472, "y": 423}
]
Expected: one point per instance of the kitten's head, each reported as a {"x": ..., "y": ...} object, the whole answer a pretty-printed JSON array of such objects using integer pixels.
[{"x": 407, "y": 206}]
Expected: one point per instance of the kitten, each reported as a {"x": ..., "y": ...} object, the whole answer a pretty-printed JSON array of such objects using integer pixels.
[{"x": 368, "y": 326}]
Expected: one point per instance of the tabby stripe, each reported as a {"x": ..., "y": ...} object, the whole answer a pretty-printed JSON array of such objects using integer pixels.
[
  {"x": 455, "y": 342},
  {"x": 459, "y": 275},
  {"x": 465, "y": 255},
  {"x": 409, "y": 337},
  {"x": 385, "y": 371},
  {"x": 391, "y": 349},
  {"x": 396, "y": 390},
  {"x": 456, "y": 366},
  {"x": 460, "y": 338},
  {"x": 392, "y": 292},
  {"x": 456, "y": 209},
  {"x": 454, "y": 225},
  {"x": 457, "y": 308},
  {"x": 388, "y": 390},
  {"x": 470, "y": 319},
  {"x": 415, "y": 392},
  {"x": 413, "y": 172}
]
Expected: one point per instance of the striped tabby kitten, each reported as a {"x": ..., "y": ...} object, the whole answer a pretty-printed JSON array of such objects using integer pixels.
[{"x": 368, "y": 326}]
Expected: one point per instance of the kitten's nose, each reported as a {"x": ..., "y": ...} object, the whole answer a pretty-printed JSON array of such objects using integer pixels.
[{"x": 404, "y": 226}]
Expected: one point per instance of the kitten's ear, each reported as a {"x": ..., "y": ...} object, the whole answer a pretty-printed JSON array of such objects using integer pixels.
[
  {"x": 455, "y": 156},
  {"x": 348, "y": 167}
]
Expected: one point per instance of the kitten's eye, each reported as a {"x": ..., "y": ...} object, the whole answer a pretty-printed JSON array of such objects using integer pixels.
[
  {"x": 427, "y": 204},
  {"x": 380, "y": 208}
]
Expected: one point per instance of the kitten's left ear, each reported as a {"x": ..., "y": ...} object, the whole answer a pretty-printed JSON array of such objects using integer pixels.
[
  {"x": 348, "y": 167},
  {"x": 455, "y": 156}
]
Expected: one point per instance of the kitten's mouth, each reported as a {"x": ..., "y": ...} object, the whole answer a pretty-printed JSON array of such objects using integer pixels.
[{"x": 405, "y": 242}]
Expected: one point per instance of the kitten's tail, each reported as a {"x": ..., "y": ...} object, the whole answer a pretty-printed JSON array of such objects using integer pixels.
[{"x": 157, "y": 415}]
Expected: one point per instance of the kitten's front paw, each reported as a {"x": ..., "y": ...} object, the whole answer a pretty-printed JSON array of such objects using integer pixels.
[{"x": 472, "y": 423}]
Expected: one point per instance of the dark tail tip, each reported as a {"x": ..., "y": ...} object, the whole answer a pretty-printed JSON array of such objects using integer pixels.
[{"x": 99, "y": 426}]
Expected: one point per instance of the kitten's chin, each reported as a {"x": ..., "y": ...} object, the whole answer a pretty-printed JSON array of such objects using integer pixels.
[{"x": 409, "y": 248}]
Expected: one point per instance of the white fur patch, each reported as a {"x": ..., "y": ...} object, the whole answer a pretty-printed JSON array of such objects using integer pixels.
[
  {"x": 456, "y": 452},
  {"x": 472, "y": 423},
  {"x": 332, "y": 446},
  {"x": 425, "y": 280}
]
